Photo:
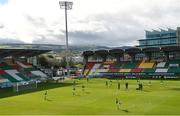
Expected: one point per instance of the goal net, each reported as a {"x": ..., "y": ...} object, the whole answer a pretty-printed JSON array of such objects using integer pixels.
[{"x": 22, "y": 86}]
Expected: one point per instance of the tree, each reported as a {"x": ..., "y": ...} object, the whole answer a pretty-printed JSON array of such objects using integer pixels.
[
  {"x": 43, "y": 61},
  {"x": 63, "y": 62},
  {"x": 50, "y": 56}
]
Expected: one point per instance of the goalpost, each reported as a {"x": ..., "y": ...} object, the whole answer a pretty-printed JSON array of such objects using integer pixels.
[{"x": 22, "y": 86}]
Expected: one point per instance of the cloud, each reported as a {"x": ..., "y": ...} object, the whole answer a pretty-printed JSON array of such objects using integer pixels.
[
  {"x": 36, "y": 21},
  {"x": 1, "y": 26},
  {"x": 99, "y": 22},
  {"x": 49, "y": 39}
]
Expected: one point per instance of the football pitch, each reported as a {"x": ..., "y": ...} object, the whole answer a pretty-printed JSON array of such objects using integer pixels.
[{"x": 156, "y": 98}]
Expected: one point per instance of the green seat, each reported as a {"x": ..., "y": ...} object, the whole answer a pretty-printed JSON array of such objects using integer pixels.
[
  {"x": 10, "y": 78},
  {"x": 31, "y": 69},
  {"x": 6, "y": 67},
  {"x": 117, "y": 66},
  {"x": 172, "y": 62},
  {"x": 174, "y": 70},
  {"x": 130, "y": 65},
  {"x": 22, "y": 76},
  {"x": 149, "y": 70}
]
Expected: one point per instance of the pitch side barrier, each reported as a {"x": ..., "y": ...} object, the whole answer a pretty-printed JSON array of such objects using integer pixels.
[{"x": 137, "y": 74}]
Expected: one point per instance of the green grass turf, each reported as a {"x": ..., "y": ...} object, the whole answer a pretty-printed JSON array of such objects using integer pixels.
[{"x": 97, "y": 99}]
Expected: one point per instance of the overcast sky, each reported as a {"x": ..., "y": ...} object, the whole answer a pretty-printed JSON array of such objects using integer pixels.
[{"x": 97, "y": 22}]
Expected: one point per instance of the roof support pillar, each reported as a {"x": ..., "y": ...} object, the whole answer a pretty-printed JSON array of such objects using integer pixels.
[
  {"x": 149, "y": 55},
  {"x": 118, "y": 58},
  {"x": 104, "y": 58},
  {"x": 85, "y": 59},
  {"x": 132, "y": 57}
]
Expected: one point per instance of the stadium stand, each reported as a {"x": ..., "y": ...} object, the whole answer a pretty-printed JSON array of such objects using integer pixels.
[
  {"x": 114, "y": 70},
  {"x": 129, "y": 65},
  {"x": 24, "y": 65},
  {"x": 10, "y": 78},
  {"x": 28, "y": 68},
  {"x": 5, "y": 83},
  {"x": 88, "y": 67},
  {"x": 108, "y": 62},
  {"x": 174, "y": 70},
  {"x": 12, "y": 72},
  {"x": 148, "y": 70},
  {"x": 22, "y": 76},
  {"x": 94, "y": 68},
  {"x": 116, "y": 66},
  {"x": 102, "y": 70},
  {"x": 5, "y": 66},
  {"x": 85, "y": 72}
]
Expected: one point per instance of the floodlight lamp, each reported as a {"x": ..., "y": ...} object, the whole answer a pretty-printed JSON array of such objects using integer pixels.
[{"x": 65, "y": 4}]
